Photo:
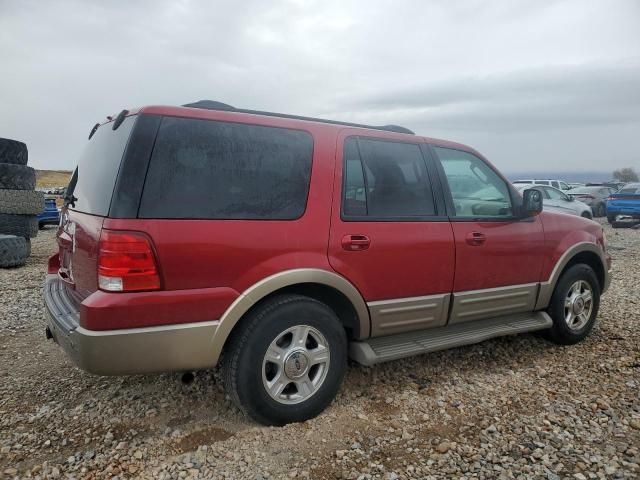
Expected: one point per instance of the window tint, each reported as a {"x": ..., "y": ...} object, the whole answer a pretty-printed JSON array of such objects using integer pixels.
[
  {"x": 385, "y": 180},
  {"x": 206, "y": 169},
  {"x": 95, "y": 176},
  {"x": 564, "y": 186},
  {"x": 476, "y": 189}
]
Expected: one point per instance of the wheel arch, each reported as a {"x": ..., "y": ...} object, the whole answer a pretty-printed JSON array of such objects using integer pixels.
[
  {"x": 585, "y": 252},
  {"x": 328, "y": 287}
]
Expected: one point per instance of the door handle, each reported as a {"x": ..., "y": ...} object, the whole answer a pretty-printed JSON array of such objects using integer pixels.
[
  {"x": 355, "y": 243},
  {"x": 476, "y": 238}
]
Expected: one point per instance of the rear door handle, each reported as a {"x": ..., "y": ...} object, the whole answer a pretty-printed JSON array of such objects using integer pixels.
[
  {"x": 476, "y": 238},
  {"x": 355, "y": 243}
]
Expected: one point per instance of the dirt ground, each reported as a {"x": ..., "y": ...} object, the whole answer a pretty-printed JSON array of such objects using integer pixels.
[{"x": 516, "y": 407}]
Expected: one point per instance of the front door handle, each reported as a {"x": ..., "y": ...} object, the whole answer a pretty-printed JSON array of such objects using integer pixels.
[
  {"x": 355, "y": 243},
  {"x": 476, "y": 239}
]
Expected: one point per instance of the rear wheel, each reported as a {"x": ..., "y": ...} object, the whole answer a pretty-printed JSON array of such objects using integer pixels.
[
  {"x": 574, "y": 305},
  {"x": 587, "y": 215},
  {"x": 286, "y": 360}
]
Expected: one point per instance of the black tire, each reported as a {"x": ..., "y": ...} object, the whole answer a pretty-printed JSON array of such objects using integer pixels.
[
  {"x": 242, "y": 365},
  {"x": 21, "y": 202},
  {"x": 587, "y": 215},
  {"x": 611, "y": 219},
  {"x": 20, "y": 225},
  {"x": 17, "y": 177},
  {"x": 13, "y": 251},
  {"x": 13, "y": 151},
  {"x": 560, "y": 332}
]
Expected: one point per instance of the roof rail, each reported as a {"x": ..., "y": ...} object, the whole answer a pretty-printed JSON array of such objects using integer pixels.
[{"x": 213, "y": 105}]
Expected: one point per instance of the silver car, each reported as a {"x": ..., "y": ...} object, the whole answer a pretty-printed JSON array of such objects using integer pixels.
[{"x": 558, "y": 201}]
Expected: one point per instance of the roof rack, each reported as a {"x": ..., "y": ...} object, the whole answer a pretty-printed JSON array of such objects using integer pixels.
[{"x": 213, "y": 105}]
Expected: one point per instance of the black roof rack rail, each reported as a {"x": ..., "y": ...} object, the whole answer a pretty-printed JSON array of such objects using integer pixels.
[{"x": 213, "y": 105}]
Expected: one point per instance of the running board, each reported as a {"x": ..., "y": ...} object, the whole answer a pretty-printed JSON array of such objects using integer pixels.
[{"x": 393, "y": 347}]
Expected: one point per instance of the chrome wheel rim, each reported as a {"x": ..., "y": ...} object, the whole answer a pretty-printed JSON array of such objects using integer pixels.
[
  {"x": 296, "y": 364},
  {"x": 578, "y": 305}
]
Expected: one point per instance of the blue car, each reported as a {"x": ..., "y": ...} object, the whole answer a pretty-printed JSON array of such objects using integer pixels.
[
  {"x": 50, "y": 215},
  {"x": 625, "y": 202}
]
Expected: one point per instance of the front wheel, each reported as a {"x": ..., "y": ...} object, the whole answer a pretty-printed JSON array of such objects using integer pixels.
[
  {"x": 574, "y": 305},
  {"x": 286, "y": 360},
  {"x": 587, "y": 215}
]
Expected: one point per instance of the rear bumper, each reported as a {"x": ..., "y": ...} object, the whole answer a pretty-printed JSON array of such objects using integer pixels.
[{"x": 126, "y": 351}]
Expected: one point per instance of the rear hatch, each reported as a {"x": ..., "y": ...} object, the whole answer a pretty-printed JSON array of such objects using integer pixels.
[{"x": 87, "y": 203}]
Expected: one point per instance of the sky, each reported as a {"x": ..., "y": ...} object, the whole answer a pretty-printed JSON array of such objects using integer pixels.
[{"x": 535, "y": 86}]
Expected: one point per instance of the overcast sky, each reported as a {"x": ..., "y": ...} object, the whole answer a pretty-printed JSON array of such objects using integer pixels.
[{"x": 534, "y": 85}]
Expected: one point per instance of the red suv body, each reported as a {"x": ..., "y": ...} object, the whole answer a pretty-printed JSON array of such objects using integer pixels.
[{"x": 191, "y": 231}]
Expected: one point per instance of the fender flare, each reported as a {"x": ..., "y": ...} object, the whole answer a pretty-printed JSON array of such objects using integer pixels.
[
  {"x": 547, "y": 288},
  {"x": 266, "y": 286}
]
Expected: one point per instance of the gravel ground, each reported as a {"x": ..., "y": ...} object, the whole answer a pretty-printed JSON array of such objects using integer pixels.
[{"x": 515, "y": 407}]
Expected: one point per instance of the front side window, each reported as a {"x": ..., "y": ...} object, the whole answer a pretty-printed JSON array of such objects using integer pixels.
[
  {"x": 205, "y": 169},
  {"x": 385, "y": 180},
  {"x": 476, "y": 190}
]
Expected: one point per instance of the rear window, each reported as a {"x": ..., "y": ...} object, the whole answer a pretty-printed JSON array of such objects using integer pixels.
[
  {"x": 95, "y": 176},
  {"x": 205, "y": 169}
]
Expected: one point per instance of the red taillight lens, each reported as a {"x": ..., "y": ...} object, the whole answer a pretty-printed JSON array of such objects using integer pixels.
[
  {"x": 126, "y": 262},
  {"x": 53, "y": 264}
]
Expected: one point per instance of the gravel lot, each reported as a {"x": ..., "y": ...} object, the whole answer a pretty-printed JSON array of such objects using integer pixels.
[{"x": 516, "y": 407}]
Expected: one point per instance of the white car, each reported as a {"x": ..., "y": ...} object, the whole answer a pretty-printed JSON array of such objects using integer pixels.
[
  {"x": 559, "y": 184},
  {"x": 558, "y": 201}
]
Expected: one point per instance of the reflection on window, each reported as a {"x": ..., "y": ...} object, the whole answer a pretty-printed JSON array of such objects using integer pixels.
[
  {"x": 385, "y": 179},
  {"x": 476, "y": 189}
]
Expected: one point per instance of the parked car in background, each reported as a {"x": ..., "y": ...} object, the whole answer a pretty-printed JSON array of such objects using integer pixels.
[
  {"x": 624, "y": 203},
  {"x": 615, "y": 186},
  {"x": 556, "y": 200},
  {"x": 282, "y": 245},
  {"x": 559, "y": 184},
  {"x": 50, "y": 215},
  {"x": 573, "y": 185},
  {"x": 594, "y": 196}
]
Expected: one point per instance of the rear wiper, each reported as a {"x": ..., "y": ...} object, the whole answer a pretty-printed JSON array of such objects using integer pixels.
[
  {"x": 70, "y": 200},
  {"x": 93, "y": 130}
]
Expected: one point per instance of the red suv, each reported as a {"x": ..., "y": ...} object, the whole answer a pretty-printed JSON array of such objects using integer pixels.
[{"x": 279, "y": 246}]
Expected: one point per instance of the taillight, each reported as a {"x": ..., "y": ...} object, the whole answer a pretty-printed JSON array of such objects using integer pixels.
[
  {"x": 126, "y": 262},
  {"x": 53, "y": 265}
]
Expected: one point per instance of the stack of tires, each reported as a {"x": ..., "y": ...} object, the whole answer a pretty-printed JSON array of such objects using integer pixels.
[{"x": 19, "y": 204}]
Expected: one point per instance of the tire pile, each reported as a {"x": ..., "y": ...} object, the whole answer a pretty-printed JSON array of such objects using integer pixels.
[{"x": 19, "y": 204}]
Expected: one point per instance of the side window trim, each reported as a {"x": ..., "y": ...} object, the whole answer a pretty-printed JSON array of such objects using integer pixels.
[
  {"x": 448, "y": 197},
  {"x": 436, "y": 191}
]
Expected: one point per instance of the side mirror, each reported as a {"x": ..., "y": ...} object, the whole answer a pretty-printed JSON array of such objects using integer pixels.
[{"x": 531, "y": 202}]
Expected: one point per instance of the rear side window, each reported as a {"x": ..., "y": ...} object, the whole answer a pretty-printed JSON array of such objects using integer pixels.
[
  {"x": 204, "y": 169},
  {"x": 95, "y": 177},
  {"x": 385, "y": 180}
]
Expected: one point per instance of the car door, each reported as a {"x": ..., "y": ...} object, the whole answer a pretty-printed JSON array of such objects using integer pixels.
[
  {"x": 498, "y": 255},
  {"x": 390, "y": 235}
]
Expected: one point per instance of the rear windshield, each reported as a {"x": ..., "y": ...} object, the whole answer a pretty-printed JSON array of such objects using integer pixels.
[
  {"x": 205, "y": 169},
  {"x": 95, "y": 176}
]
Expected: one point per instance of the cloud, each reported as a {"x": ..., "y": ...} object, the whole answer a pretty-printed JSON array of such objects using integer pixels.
[{"x": 496, "y": 75}]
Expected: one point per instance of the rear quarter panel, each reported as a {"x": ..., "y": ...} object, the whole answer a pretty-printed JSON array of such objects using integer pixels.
[{"x": 195, "y": 254}]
